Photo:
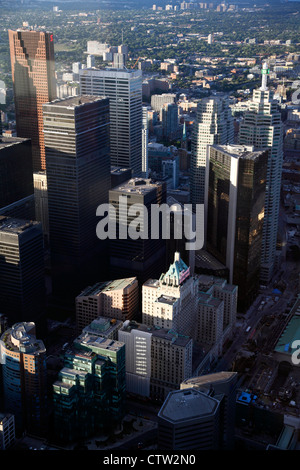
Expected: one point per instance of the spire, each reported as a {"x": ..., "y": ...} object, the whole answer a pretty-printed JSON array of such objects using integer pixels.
[{"x": 264, "y": 77}]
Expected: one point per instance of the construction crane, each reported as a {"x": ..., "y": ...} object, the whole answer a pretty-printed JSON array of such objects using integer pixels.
[{"x": 135, "y": 63}]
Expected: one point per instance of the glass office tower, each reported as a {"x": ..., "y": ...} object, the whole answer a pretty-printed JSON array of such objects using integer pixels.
[
  {"x": 234, "y": 211},
  {"x": 78, "y": 178},
  {"x": 33, "y": 76}
]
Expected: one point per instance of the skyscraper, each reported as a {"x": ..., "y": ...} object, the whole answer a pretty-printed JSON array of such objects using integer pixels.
[
  {"x": 78, "y": 177},
  {"x": 23, "y": 359},
  {"x": 33, "y": 75},
  {"x": 16, "y": 180},
  {"x": 124, "y": 89},
  {"x": 214, "y": 125},
  {"x": 143, "y": 257},
  {"x": 234, "y": 213},
  {"x": 262, "y": 127},
  {"x": 22, "y": 284}
]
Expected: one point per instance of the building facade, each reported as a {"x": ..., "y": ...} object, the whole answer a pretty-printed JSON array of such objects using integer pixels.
[
  {"x": 234, "y": 214},
  {"x": 118, "y": 299},
  {"x": 171, "y": 301},
  {"x": 124, "y": 89},
  {"x": 78, "y": 179},
  {"x": 33, "y": 76},
  {"x": 22, "y": 284}
]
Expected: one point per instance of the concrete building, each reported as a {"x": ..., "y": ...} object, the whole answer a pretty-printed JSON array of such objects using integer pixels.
[
  {"x": 22, "y": 284},
  {"x": 262, "y": 127},
  {"x": 171, "y": 300},
  {"x": 220, "y": 289},
  {"x": 214, "y": 125},
  {"x": 33, "y": 76},
  {"x": 189, "y": 420},
  {"x": 234, "y": 214},
  {"x": 209, "y": 323},
  {"x": 124, "y": 89},
  {"x": 157, "y": 101},
  {"x": 76, "y": 133},
  {"x": 156, "y": 359},
  {"x": 23, "y": 359},
  {"x": 116, "y": 299},
  {"x": 138, "y": 346}
]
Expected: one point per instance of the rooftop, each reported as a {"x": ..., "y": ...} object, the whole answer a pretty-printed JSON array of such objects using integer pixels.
[
  {"x": 13, "y": 225},
  {"x": 188, "y": 404},
  {"x": 107, "y": 286},
  {"x": 137, "y": 185},
  {"x": 242, "y": 151},
  {"x": 74, "y": 101}
]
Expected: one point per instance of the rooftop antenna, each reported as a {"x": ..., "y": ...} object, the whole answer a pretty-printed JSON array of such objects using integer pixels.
[{"x": 264, "y": 77}]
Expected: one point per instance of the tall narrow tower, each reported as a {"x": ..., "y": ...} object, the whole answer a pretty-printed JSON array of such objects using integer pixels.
[
  {"x": 262, "y": 127},
  {"x": 214, "y": 125},
  {"x": 33, "y": 75},
  {"x": 78, "y": 178},
  {"x": 124, "y": 89}
]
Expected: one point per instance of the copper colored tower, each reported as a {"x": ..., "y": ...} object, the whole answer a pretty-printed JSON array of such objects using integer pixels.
[{"x": 33, "y": 74}]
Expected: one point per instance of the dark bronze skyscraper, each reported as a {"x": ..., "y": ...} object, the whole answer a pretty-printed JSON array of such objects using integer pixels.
[
  {"x": 234, "y": 201},
  {"x": 33, "y": 75}
]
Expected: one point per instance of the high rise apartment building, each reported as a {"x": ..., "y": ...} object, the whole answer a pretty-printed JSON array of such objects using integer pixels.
[
  {"x": 171, "y": 301},
  {"x": 234, "y": 213},
  {"x": 262, "y": 127},
  {"x": 124, "y": 89},
  {"x": 116, "y": 299},
  {"x": 143, "y": 257},
  {"x": 78, "y": 180},
  {"x": 33, "y": 76},
  {"x": 23, "y": 359},
  {"x": 22, "y": 284},
  {"x": 214, "y": 125}
]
